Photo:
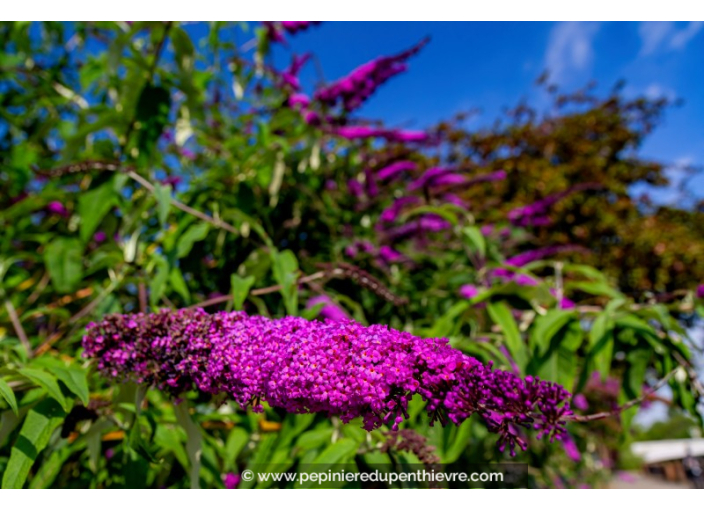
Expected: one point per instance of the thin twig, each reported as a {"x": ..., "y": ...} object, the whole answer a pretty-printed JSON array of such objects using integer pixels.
[
  {"x": 38, "y": 289},
  {"x": 193, "y": 212},
  {"x": 259, "y": 292},
  {"x": 693, "y": 377},
  {"x": 86, "y": 166},
  {"x": 19, "y": 330},
  {"x": 90, "y": 306},
  {"x": 627, "y": 405}
]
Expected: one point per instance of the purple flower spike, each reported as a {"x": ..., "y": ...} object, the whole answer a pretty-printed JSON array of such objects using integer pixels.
[
  {"x": 338, "y": 368},
  {"x": 365, "y": 132},
  {"x": 395, "y": 169},
  {"x": 391, "y": 213},
  {"x": 355, "y": 88},
  {"x": 289, "y": 77},
  {"x": 529, "y": 214},
  {"x": 571, "y": 448},
  {"x": 389, "y": 255}
]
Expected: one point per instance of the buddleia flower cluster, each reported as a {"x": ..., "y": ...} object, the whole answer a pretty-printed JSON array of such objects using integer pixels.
[
  {"x": 354, "y": 89},
  {"x": 341, "y": 368}
]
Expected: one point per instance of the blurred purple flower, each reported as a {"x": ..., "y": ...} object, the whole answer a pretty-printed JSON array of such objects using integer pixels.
[
  {"x": 436, "y": 176},
  {"x": 273, "y": 32},
  {"x": 627, "y": 477},
  {"x": 567, "y": 304},
  {"x": 329, "y": 310},
  {"x": 700, "y": 292},
  {"x": 290, "y": 75},
  {"x": 57, "y": 208},
  {"x": 523, "y": 216},
  {"x": 514, "y": 366},
  {"x": 370, "y": 181},
  {"x": 187, "y": 153},
  {"x": 451, "y": 198},
  {"x": 172, "y": 180},
  {"x": 580, "y": 402},
  {"x": 389, "y": 255},
  {"x": 391, "y": 213},
  {"x": 571, "y": 448},
  {"x": 298, "y": 99},
  {"x": 311, "y": 118},
  {"x": 527, "y": 257},
  {"x": 293, "y": 27},
  {"x": 394, "y": 169},
  {"x": 355, "y": 187},
  {"x": 468, "y": 291},
  {"x": 422, "y": 224},
  {"x": 99, "y": 237},
  {"x": 525, "y": 281},
  {"x": 231, "y": 480},
  {"x": 364, "y": 132}
]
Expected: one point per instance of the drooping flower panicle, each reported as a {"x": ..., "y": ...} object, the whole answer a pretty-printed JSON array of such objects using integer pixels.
[
  {"x": 355, "y": 88},
  {"x": 339, "y": 368}
]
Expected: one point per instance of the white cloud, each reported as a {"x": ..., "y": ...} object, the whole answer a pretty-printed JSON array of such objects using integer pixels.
[
  {"x": 657, "y": 91},
  {"x": 659, "y": 35},
  {"x": 682, "y": 37},
  {"x": 570, "y": 48}
]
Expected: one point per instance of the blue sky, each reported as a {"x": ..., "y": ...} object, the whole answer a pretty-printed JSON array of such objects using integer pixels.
[{"x": 492, "y": 65}]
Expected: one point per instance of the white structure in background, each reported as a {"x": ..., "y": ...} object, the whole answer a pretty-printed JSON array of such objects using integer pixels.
[{"x": 654, "y": 452}]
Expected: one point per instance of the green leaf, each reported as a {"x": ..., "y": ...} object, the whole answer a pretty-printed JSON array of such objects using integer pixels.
[
  {"x": 476, "y": 239},
  {"x": 601, "y": 343},
  {"x": 75, "y": 380},
  {"x": 500, "y": 313},
  {"x": 49, "y": 469},
  {"x": 236, "y": 442},
  {"x": 63, "y": 260},
  {"x": 240, "y": 289},
  {"x": 337, "y": 452},
  {"x": 157, "y": 285},
  {"x": 34, "y": 436},
  {"x": 179, "y": 284},
  {"x": 285, "y": 267},
  {"x": 163, "y": 201},
  {"x": 194, "y": 442},
  {"x": 598, "y": 288},
  {"x": 8, "y": 395},
  {"x": 463, "y": 435},
  {"x": 561, "y": 363},
  {"x": 634, "y": 377},
  {"x": 152, "y": 115},
  {"x": 584, "y": 270},
  {"x": 547, "y": 326},
  {"x": 46, "y": 381},
  {"x": 93, "y": 205},
  {"x": 191, "y": 236},
  {"x": 314, "y": 438},
  {"x": 183, "y": 48},
  {"x": 444, "y": 325}
]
